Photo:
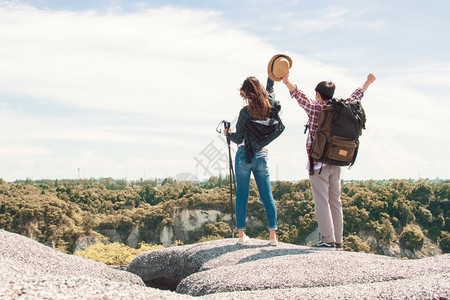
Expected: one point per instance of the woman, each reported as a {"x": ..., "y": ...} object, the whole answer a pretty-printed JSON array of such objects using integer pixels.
[{"x": 258, "y": 125}]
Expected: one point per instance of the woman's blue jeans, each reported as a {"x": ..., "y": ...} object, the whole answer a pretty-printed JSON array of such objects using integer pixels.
[{"x": 260, "y": 171}]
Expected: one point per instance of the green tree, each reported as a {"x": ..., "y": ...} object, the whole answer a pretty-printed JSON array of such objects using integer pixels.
[
  {"x": 422, "y": 192},
  {"x": 148, "y": 193},
  {"x": 281, "y": 188},
  {"x": 412, "y": 237},
  {"x": 287, "y": 234},
  {"x": 424, "y": 216},
  {"x": 354, "y": 243},
  {"x": 445, "y": 241},
  {"x": 218, "y": 229},
  {"x": 168, "y": 180},
  {"x": 385, "y": 232},
  {"x": 443, "y": 192}
]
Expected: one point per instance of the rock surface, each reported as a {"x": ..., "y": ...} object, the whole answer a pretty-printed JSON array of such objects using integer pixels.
[
  {"x": 219, "y": 270},
  {"x": 223, "y": 270},
  {"x": 29, "y": 270}
]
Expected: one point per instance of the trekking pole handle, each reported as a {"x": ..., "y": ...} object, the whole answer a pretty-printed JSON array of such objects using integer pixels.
[{"x": 226, "y": 126}]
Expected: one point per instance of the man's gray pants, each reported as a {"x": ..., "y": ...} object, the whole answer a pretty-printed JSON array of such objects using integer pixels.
[{"x": 326, "y": 191}]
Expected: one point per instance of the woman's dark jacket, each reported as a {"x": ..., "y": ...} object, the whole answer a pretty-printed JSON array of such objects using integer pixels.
[{"x": 257, "y": 133}]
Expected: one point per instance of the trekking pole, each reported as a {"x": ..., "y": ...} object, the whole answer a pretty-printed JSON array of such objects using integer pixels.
[
  {"x": 232, "y": 177},
  {"x": 226, "y": 126}
]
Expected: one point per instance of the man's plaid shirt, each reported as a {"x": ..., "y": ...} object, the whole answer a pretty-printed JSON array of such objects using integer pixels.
[{"x": 313, "y": 108}]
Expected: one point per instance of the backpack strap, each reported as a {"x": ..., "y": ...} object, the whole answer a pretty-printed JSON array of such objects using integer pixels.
[
  {"x": 336, "y": 111},
  {"x": 306, "y": 127},
  {"x": 311, "y": 160},
  {"x": 311, "y": 165}
]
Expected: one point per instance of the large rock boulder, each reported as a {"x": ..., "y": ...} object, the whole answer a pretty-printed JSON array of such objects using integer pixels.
[
  {"x": 219, "y": 270},
  {"x": 222, "y": 270},
  {"x": 29, "y": 270}
]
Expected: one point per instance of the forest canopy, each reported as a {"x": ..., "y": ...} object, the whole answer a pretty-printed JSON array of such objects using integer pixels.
[{"x": 58, "y": 212}]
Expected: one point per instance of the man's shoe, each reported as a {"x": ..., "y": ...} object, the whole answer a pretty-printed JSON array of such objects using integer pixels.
[
  {"x": 323, "y": 246},
  {"x": 338, "y": 246},
  {"x": 243, "y": 240}
]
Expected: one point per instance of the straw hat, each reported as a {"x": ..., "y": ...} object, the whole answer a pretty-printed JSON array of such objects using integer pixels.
[{"x": 278, "y": 66}]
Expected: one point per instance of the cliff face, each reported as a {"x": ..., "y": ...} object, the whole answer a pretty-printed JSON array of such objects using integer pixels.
[
  {"x": 395, "y": 249},
  {"x": 186, "y": 221}
]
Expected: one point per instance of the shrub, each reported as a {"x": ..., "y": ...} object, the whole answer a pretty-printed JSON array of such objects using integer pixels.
[
  {"x": 445, "y": 242},
  {"x": 220, "y": 229},
  {"x": 424, "y": 216},
  {"x": 287, "y": 234},
  {"x": 385, "y": 232},
  {"x": 209, "y": 238},
  {"x": 115, "y": 253},
  {"x": 412, "y": 237},
  {"x": 422, "y": 192},
  {"x": 356, "y": 244}
]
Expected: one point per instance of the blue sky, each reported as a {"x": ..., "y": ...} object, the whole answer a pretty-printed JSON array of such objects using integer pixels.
[{"x": 135, "y": 89}]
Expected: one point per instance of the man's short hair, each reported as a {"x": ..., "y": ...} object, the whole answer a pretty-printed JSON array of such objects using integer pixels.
[{"x": 325, "y": 89}]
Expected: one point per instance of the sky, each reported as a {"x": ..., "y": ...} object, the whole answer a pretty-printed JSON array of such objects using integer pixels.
[{"x": 135, "y": 89}]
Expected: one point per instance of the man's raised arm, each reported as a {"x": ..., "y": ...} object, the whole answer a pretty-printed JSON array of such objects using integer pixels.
[{"x": 370, "y": 79}]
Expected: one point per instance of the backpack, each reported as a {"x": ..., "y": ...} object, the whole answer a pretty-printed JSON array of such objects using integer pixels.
[{"x": 340, "y": 123}]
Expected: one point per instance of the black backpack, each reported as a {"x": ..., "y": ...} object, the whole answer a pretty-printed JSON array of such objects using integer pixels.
[{"x": 339, "y": 126}]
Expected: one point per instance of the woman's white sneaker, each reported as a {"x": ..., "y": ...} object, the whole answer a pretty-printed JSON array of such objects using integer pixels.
[
  {"x": 273, "y": 242},
  {"x": 243, "y": 240}
]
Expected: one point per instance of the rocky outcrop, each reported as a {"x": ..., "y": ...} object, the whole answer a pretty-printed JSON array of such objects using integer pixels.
[
  {"x": 29, "y": 270},
  {"x": 31, "y": 228},
  {"x": 223, "y": 270},
  {"x": 219, "y": 270},
  {"x": 186, "y": 220},
  {"x": 166, "y": 236},
  {"x": 395, "y": 249},
  {"x": 112, "y": 235},
  {"x": 84, "y": 241},
  {"x": 133, "y": 239}
]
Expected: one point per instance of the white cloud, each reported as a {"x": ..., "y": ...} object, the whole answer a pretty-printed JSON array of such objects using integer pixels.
[
  {"x": 143, "y": 62},
  {"x": 335, "y": 12},
  {"x": 142, "y": 92},
  {"x": 21, "y": 150},
  {"x": 331, "y": 17}
]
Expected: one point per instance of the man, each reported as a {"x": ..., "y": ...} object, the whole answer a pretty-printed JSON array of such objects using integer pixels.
[{"x": 325, "y": 185}]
